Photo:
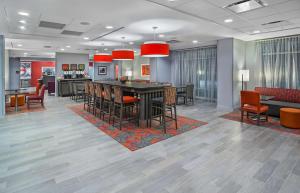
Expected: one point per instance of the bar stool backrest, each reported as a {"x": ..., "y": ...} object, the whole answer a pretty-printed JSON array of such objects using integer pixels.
[
  {"x": 86, "y": 87},
  {"x": 107, "y": 92},
  {"x": 118, "y": 94},
  {"x": 190, "y": 90},
  {"x": 92, "y": 89},
  {"x": 170, "y": 95},
  {"x": 99, "y": 90}
]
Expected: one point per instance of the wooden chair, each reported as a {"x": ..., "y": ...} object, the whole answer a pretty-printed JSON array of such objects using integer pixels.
[
  {"x": 37, "y": 98},
  {"x": 250, "y": 103},
  {"x": 107, "y": 102},
  {"x": 161, "y": 106},
  {"x": 86, "y": 94},
  {"x": 186, "y": 93},
  {"x": 91, "y": 98},
  {"x": 125, "y": 105},
  {"x": 98, "y": 99}
]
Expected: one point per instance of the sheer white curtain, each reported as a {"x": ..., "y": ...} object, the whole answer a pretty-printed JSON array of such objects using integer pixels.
[
  {"x": 197, "y": 66},
  {"x": 278, "y": 61}
]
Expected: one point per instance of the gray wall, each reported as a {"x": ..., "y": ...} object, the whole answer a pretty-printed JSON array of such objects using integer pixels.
[
  {"x": 14, "y": 77},
  {"x": 2, "y": 79},
  {"x": 239, "y": 63},
  {"x": 6, "y": 74},
  {"x": 69, "y": 58},
  {"x": 225, "y": 74},
  {"x": 110, "y": 71},
  {"x": 161, "y": 69}
]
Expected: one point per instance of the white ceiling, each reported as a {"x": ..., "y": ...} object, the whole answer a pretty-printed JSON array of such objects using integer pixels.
[{"x": 183, "y": 20}]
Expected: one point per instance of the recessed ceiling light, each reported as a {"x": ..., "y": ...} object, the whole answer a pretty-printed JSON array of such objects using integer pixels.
[
  {"x": 109, "y": 27},
  {"x": 171, "y": 0},
  {"x": 228, "y": 20},
  {"x": 105, "y": 49},
  {"x": 22, "y": 27},
  {"x": 161, "y": 35},
  {"x": 256, "y": 31},
  {"x": 62, "y": 49},
  {"x": 97, "y": 51},
  {"x": 23, "y": 13},
  {"x": 68, "y": 46},
  {"x": 20, "y": 45},
  {"x": 22, "y": 21},
  {"x": 25, "y": 53},
  {"x": 131, "y": 43},
  {"x": 195, "y": 41},
  {"x": 86, "y": 38}
]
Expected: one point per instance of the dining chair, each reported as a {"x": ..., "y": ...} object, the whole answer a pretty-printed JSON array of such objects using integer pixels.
[
  {"x": 163, "y": 109},
  {"x": 107, "y": 102},
  {"x": 250, "y": 103},
  {"x": 37, "y": 98},
  {"x": 98, "y": 99},
  {"x": 125, "y": 106}
]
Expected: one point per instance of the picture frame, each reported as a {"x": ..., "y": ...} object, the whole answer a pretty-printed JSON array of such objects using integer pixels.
[
  {"x": 50, "y": 71},
  {"x": 145, "y": 70},
  {"x": 102, "y": 70}
]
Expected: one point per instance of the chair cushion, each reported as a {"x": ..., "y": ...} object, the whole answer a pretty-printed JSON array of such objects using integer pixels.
[
  {"x": 254, "y": 109},
  {"x": 130, "y": 99}
]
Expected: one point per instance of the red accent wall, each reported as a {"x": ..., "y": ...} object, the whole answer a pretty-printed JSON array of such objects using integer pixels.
[{"x": 36, "y": 70}]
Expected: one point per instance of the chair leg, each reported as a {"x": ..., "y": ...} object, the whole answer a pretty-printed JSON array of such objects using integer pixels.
[
  {"x": 175, "y": 113},
  {"x": 164, "y": 119},
  {"x": 258, "y": 119},
  {"x": 150, "y": 124},
  {"x": 121, "y": 117},
  {"x": 242, "y": 116}
]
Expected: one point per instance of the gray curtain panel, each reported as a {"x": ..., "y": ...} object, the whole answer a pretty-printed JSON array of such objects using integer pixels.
[
  {"x": 197, "y": 66},
  {"x": 279, "y": 62}
]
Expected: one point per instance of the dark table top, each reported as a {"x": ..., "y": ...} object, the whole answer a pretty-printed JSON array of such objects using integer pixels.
[{"x": 134, "y": 85}]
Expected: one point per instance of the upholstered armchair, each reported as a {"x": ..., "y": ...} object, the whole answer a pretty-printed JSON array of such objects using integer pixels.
[{"x": 37, "y": 98}]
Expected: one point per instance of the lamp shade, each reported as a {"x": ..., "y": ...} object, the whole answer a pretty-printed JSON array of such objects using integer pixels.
[
  {"x": 244, "y": 75},
  {"x": 155, "y": 49},
  {"x": 123, "y": 54},
  {"x": 103, "y": 58}
]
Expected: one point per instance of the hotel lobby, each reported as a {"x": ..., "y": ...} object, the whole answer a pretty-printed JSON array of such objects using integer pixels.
[{"x": 150, "y": 96}]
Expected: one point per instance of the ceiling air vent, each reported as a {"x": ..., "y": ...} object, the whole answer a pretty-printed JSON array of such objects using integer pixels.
[
  {"x": 51, "y": 25},
  {"x": 47, "y": 47},
  {"x": 173, "y": 41},
  {"x": 245, "y": 5},
  {"x": 276, "y": 24},
  {"x": 71, "y": 33}
]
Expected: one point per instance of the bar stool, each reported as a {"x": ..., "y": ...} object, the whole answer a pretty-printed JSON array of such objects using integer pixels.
[
  {"x": 86, "y": 94},
  {"x": 127, "y": 104},
  {"x": 107, "y": 102},
  {"x": 98, "y": 99},
  {"x": 91, "y": 97},
  {"x": 162, "y": 105}
]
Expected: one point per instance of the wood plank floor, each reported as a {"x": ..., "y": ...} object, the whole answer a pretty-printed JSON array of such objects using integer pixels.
[{"x": 56, "y": 151}]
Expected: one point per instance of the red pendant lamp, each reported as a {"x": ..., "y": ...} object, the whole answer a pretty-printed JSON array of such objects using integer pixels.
[
  {"x": 103, "y": 58},
  {"x": 123, "y": 54},
  {"x": 155, "y": 49}
]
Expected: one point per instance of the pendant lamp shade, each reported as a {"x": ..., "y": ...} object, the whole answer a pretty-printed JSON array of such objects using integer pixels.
[
  {"x": 103, "y": 58},
  {"x": 155, "y": 49},
  {"x": 123, "y": 54}
]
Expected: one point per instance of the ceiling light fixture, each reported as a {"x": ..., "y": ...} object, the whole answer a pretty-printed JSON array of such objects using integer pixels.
[
  {"x": 23, "y": 13},
  {"x": 22, "y": 27},
  {"x": 105, "y": 49},
  {"x": 123, "y": 54},
  {"x": 25, "y": 53},
  {"x": 161, "y": 35},
  {"x": 62, "y": 49},
  {"x": 195, "y": 41},
  {"x": 68, "y": 46},
  {"x": 20, "y": 45},
  {"x": 86, "y": 38},
  {"x": 228, "y": 20},
  {"x": 22, "y": 21},
  {"x": 109, "y": 27},
  {"x": 131, "y": 43},
  {"x": 155, "y": 48},
  {"x": 256, "y": 32}
]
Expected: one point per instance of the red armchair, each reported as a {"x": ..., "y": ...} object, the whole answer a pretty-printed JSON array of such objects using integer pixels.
[
  {"x": 250, "y": 103},
  {"x": 39, "y": 98}
]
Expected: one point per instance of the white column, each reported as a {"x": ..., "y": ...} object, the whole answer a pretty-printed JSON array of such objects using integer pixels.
[{"x": 2, "y": 79}]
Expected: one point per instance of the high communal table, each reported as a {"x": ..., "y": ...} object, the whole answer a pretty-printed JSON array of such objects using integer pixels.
[{"x": 145, "y": 91}]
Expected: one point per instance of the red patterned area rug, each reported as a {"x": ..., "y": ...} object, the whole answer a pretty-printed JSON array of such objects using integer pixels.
[
  {"x": 135, "y": 138},
  {"x": 273, "y": 123},
  {"x": 23, "y": 109}
]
